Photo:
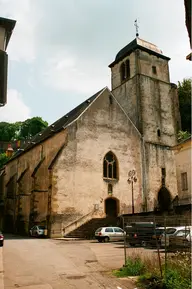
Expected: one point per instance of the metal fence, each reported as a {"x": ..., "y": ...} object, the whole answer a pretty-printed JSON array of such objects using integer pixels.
[{"x": 157, "y": 237}]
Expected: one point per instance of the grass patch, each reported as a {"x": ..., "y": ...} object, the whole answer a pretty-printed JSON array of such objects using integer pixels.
[
  {"x": 133, "y": 267},
  {"x": 176, "y": 275}
]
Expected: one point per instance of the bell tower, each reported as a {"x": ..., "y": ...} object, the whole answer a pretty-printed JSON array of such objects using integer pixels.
[{"x": 141, "y": 84}]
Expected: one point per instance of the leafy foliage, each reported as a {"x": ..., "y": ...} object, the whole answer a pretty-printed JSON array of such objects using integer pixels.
[
  {"x": 182, "y": 135},
  {"x": 21, "y": 130},
  {"x": 3, "y": 159},
  {"x": 177, "y": 274},
  {"x": 134, "y": 267},
  {"x": 184, "y": 93}
]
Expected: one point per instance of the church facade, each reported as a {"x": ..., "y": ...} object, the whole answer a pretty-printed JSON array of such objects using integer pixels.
[{"x": 109, "y": 156}]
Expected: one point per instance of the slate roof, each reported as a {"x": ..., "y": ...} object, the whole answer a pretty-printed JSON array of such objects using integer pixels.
[
  {"x": 138, "y": 43},
  {"x": 57, "y": 126},
  {"x": 9, "y": 25}
]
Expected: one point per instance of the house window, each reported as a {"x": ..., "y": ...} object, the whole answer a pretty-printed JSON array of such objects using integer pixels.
[
  {"x": 158, "y": 132},
  {"x": 127, "y": 65},
  {"x": 184, "y": 184},
  {"x": 123, "y": 72},
  {"x": 154, "y": 70},
  {"x": 110, "y": 166}
]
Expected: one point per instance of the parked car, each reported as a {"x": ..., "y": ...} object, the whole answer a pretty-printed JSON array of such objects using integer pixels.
[
  {"x": 143, "y": 233},
  {"x": 106, "y": 234},
  {"x": 1, "y": 239},
  {"x": 182, "y": 239},
  {"x": 170, "y": 231},
  {"x": 38, "y": 231}
]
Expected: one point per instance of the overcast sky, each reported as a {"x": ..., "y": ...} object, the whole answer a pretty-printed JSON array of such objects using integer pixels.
[{"x": 60, "y": 50}]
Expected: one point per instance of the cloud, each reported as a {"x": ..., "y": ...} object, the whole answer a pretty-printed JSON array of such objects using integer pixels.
[
  {"x": 15, "y": 109},
  {"x": 23, "y": 46},
  {"x": 66, "y": 72}
]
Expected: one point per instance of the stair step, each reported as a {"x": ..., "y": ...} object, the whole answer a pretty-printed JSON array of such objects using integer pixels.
[{"x": 87, "y": 230}]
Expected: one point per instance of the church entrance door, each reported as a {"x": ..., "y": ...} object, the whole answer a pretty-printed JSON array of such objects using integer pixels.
[{"x": 111, "y": 207}]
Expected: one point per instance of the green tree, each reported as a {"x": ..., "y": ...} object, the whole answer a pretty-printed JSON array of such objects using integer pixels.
[
  {"x": 21, "y": 130},
  {"x": 31, "y": 127},
  {"x": 3, "y": 159},
  {"x": 184, "y": 93},
  {"x": 7, "y": 131}
]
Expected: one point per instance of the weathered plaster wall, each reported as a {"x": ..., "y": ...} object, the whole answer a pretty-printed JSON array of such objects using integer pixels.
[
  {"x": 158, "y": 157},
  {"x": 32, "y": 188},
  {"x": 158, "y": 111},
  {"x": 78, "y": 173},
  {"x": 183, "y": 165},
  {"x": 146, "y": 61}
]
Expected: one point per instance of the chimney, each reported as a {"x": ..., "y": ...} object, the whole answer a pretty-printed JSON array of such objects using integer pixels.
[{"x": 9, "y": 151}]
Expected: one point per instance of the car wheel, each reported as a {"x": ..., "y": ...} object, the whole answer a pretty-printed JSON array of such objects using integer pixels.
[
  {"x": 106, "y": 239},
  {"x": 100, "y": 240},
  {"x": 144, "y": 244},
  {"x": 132, "y": 244}
]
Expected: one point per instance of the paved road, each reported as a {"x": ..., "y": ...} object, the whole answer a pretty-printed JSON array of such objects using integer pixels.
[{"x": 57, "y": 264}]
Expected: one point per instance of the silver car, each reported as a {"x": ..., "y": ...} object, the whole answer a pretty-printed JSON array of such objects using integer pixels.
[
  {"x": 170, "y": 231},
  {"x": 106, "y": 234},
  {"x": 38, "y": 231}
]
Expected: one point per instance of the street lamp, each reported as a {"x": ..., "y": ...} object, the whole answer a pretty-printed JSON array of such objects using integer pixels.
[{"x": 132, "y": 179}]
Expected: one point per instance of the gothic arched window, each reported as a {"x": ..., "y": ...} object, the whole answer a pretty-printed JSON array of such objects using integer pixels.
[
  {"x": 123, "y": 71},
  {"x": 110, "y": 166}
]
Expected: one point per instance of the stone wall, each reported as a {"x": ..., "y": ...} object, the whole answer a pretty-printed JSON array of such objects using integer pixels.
[
  {"x": 28, "y": 180},
  {"x": 78, "y": 173}
]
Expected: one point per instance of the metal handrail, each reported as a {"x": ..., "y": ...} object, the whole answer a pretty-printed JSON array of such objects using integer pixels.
[{"x": 81, "y": 218}]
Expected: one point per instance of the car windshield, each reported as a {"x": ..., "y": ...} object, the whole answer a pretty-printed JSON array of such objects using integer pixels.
[
  {"x": 41, "y": 227},
  {"x": 98, "y": 230},
  {"x": 170, "y": 231}
]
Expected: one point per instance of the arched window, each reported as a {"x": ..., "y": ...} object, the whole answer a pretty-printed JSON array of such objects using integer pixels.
[
  {"x": 110, "y": 166},
  {"x": 127, "y": 65},
  {"x": 123, "y": 71}
]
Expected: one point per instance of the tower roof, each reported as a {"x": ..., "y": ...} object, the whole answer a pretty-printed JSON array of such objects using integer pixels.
[{"x": 138, "y": 43}]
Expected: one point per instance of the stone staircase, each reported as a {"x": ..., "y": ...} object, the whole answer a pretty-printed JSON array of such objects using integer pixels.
[{"x": 87, "y": 230}]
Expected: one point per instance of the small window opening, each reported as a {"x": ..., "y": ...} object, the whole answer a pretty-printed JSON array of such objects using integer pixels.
[
  {"x": 127, "y": 65},
  {"x": 123, "y": 74},
  {"x": 154, "y": 70},
  {"x": 184, "y": 183},
  {"x": 110, "y": 189},
  {"x": 163, "y": 173},
  {"x": 110, "y": 99},
  {"x": 158, "y": 132}
]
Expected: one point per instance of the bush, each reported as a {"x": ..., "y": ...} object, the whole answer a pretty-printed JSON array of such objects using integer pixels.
[
  {"x": 133, "y": 267},
  {"x": 176, "y": 275}
]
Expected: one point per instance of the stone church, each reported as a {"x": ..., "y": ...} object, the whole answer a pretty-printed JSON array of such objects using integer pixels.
[{"x": 109, "y": 156}]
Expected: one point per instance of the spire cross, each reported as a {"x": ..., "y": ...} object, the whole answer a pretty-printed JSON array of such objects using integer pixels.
[{"x": 137, "y": 28}]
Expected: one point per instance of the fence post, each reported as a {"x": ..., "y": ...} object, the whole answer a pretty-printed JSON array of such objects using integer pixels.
[
  {"x": 160, "y": 268},
  {"x": 125, "y": 253},
  {"x": 165, "y": 227}
]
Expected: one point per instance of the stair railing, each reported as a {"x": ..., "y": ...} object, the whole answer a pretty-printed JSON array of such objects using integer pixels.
[{"x": 77, "y": 223}]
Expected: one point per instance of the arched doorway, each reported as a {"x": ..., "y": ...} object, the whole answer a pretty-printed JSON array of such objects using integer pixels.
[
  {"x": 164, "y": 199},
  {"x": 111, "y": 207}
]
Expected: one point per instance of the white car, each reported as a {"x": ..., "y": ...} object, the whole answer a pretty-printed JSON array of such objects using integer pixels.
[
  {"x": 170, "y": 231},
  {"x": 106, "y": 234},
  {"x": 38, "y": 231}
]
